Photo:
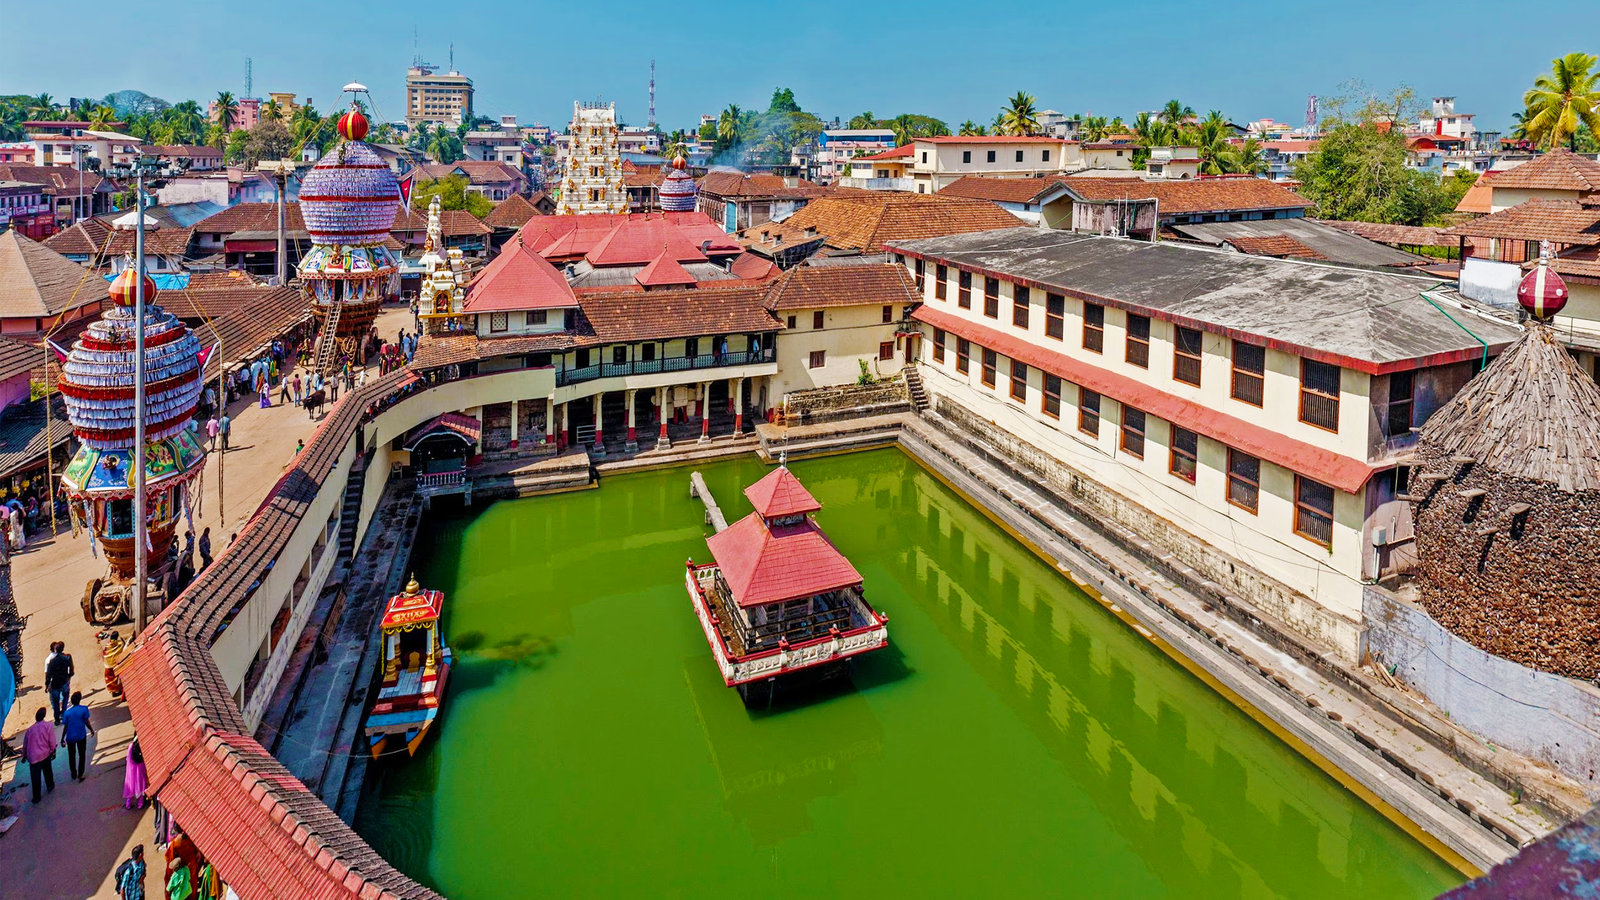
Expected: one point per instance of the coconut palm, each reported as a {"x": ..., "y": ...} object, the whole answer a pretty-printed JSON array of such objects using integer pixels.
[
  {"x": 42, "y": 107},
  {"x": 102, "y": 116},
  {"x": 270, "y": 110},
  {"x": 729, "y": 123},
  {"x": 970, "y": 128},
  {"x": 227, "y": 110},
  {"x": 188, "y": 121},
  {"x": 865, "y": 120},
  {"x": 1247, "y": 158},
  {"x": 1093, "y": 128},
  {"x": 1175, "y": 112},
  {"x": 11, "y": 117},
  {"x": 1564, "y": 101},
  {"x": 1018, "y": 115}
]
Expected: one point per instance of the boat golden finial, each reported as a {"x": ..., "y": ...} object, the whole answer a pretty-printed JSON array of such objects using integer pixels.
[{"x": 412, "y": 587}]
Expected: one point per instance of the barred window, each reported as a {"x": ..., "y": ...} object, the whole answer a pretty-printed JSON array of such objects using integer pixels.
[
  {"x": 1088, "y": 412},
  {"x": 1313, "y": 510},
  {"x": 1138, "y": 349},
  {"x": 938, "y": 345},
  {"x": 922, "y": 269},
  {"x": 499, "y": 321},
  {"x": 963, "y": 355},
  {"x": 1185, "y": 446},
  {"x": 888, "y": 314},
  {"x": 1055, "y": 316},
  {"x": 1094, "y": 327},
  {"x": 1244, "y": 480},
  {"x": 1019, "y": 381},
  {"x": 1133, "y": 431},
  {"x": 1020, "y": 297},
  {"x": 1186, "y": 348},
  {"x": 991, "y": 359},
  {"x": 991, "y": 298},
  {"x": 941, "y": 282},
  {"x": 1051, "y": 405},
  {"x": 964, "y": 290},
  {"x": 1249, "y": 373},
  {"x": 1398, "y": 416},
  {"x": 1319, "y": 394}
]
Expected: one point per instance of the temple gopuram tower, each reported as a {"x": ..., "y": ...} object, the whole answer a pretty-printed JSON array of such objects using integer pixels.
[
  {"x": 678, "y": 192},
  {"x": 444, "y": 280},
  {"x": 348, "y": 200},
  {"x": 592, "y": 182},
  {"x": 1506, "y": 501}
]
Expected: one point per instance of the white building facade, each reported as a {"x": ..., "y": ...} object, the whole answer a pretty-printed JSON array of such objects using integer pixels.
[{"x": 592, "y": 182}]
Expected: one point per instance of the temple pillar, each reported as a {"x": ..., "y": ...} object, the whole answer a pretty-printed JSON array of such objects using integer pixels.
[
  {"x": 566, "y": 427},
  {"x": 705, "y": 411},
  {"x": 665, "y": 393},
  {"x": 738, "y": 405},
  {"x": 477, "y": 447},
  {"x": 633, "y": 443},
  {"x": 599, "y": 439},
  {"x": 549, "y": 436},
  {"x": 514, "y": 424}
]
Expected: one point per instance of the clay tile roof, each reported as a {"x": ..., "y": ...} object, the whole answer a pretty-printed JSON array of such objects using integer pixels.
[
  {"x": 1478, "y": 198},
  {"x": 1558, "y": 170},
  {"x": 518, "y": 278},
  {"x": 1533, "y": 413},
  {"x": 17, "y": 358},
  {"x": 900, "y": 152},
  {"x": 739, "y": 184},
  {"x": 64, "y": 179},
  {"x": 456, "y": 222},
  {"x": 1396, "y": 235},
  {"x": 36, "y": 281},
  {"x": 999, "y": 190},
  {"x": 677, "y": 312},
  {"x": 476, "y": 171},
  {"x": 663, "y": 271},
  {"x": 1278, "y": 245},
  {"x": 780, "y": 494},
  {"x": 867, "y": 222},
  {"x": 751, "y": 267},
  {"x": 1563, "y": 221},
  {"x": 816, "y": 287},
  {"x": 1581, "y": 261},
  {"x": 252, "y": 217},
  {"x": 96, "y": 239},
  {"x": 769, "y": 565},
  {"x": 1194, "y": 196},
  {"x": 512, "y": 212}
]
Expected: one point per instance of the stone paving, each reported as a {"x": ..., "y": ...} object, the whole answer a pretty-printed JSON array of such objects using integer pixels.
[{"x": 68, "y": 845}]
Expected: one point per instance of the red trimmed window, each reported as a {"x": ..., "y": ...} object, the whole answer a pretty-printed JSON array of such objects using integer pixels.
[
  {"x": 1088, "y": 412},
  {"x": 964, "y": 289},
  {"x": 1019, "y": 382},
  {"x": 1313, "y": 510},
  {"x": 991, "y": 298},
  {"x": 1185, "y": 447},
  {"x": 1249, "y": 373},
  {"x": 1319, "y": 394},
  {"x": 1094, "y": 327},
  {"x": 963, "y": 355},
  {"x": 885, "y": 350},
  {"x": 1186, "y": 347},
  {"x": 991, "y": 360},
  {"x": 1133, "y": 431},
  {"x": 1020, "y": 297},
  {"x": 1244, "y": 480},
  {"x": 938, "y": 345},
  {"x": 1138, "y": 343},
  {"x": 1051, "y": 405},
  {"x": 941, "y": 282},
  {"x": 1055, "y": 316}
]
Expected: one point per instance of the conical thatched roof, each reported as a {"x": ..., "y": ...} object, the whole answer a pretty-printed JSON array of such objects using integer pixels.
[{"x": 1532, "y": 414}]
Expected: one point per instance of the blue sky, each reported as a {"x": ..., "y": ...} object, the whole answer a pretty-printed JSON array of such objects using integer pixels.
[{"x": 954, "y": 59}]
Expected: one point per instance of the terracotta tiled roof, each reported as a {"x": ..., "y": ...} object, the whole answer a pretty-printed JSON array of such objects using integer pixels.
[
  {"x": 674, "y": 313},
  {"x": 1583, "y": 262},
  {"x": 36, "y": 281},
  {"x": 664, "y": 271},
  {"x": 818, "y": 287},
  {"x": 1395, "y": 235},
  {"x": 1478, "y": 198},
  {"x": 512, "y": 212},
  {"x": 768, "y": 565},
  {"x": 780, "y": 494},
  {"x": 999, "y": 190},
  {"x": 901, "y": 152},
  {"x": 625, "y": 238},
  {"x": 867, "y": 222},
  {"x": 1278, "y": 245},
  {"x": 517, "y": 279},
  {"x": 1290, "y": 146},
  {"x": 457, "y": 222},
  {"x": 66, "y": 180},
  {"x": 751, "y": 267},
  {"x": 96, "y": 239},
  {"x": 18, "y": 358},
  {"x": 477, "y": 171},
  {"x": 641, "y": 179},
  {"x": 739, "y": 184},
  {"x": 1563, "y": 221},
  {"x": 244, "y": 328},
  {"x": 1201, "y": 195},
  {"x": 1558, "y": 170},
  {"x": 252, "y": 217},
  {"x": 181, "y": 151}
]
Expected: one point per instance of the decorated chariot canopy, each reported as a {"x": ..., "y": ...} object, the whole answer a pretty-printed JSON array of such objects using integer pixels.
[
  {"x": 678, "y": 191},
  {"x": 349, "y": 199},
  {"x": 107, "y": 474},
  {"x": 97, "y": 375}
]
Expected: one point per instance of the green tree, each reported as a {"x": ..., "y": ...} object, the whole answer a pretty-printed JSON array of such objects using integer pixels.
[
  {"x": 1359, "y": 173},
  {"x": 270, "y": 110},
  {"x": 1564, "y": 101},
  {"x": 1176, "y": 113},
  {"x": 783, "y": 101},
  {"x": 227, "y": 111},
  {"x": 42, "y": 107},
  {"x": 864, "y": 120},
  {"x": 1093, "y": 128},
  {"x": 1017, "y": 116},
  {"x": 444, "y": 145},
  {"x": 268, "y": 140},
  {"x": 12, "y": 116},
  {"x": 188, "y": 122},
  {"x": 970, "y": 128},
  {"x": 452, "y": 193},
  {"x": 236, "y": 148}
]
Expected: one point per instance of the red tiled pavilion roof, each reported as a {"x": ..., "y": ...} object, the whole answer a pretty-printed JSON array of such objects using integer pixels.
[
  {"x": 664, "y": 271},
  {"x": 763, "y": 565},
  {"x": 781, "y": 494},
  {"x": 519, "y": 278}
]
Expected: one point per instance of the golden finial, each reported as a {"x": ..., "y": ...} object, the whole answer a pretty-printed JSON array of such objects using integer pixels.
[{"x": 412, "y": 587}]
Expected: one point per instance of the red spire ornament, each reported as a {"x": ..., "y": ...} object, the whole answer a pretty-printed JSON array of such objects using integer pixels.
[
  {"x": 352, "y": 125},
  {"x": 1542, "y": 292},
  {"x": 123, "y": 287}
]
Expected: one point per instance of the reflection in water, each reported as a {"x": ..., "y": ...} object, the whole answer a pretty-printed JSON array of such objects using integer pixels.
[{"x": 1014, "y": 738}]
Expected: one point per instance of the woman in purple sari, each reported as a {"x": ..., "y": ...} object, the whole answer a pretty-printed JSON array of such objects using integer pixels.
[{"x": 134, "y": 781}]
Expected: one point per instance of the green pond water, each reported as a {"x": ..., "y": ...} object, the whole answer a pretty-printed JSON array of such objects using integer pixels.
[{"x": 1014, "y": 740}]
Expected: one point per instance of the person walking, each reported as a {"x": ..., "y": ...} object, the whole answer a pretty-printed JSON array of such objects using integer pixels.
[
  {"x": 39, "y": 746},
  {"x": 188, "y": 550},
  {"x": 285, "y": 392},
  {"x": 134, "y": 778},
  {"x": 264, "y": 392},
  {"x": 129, "y": 878},
  {"x": 58, "y": 672},
  {"x": 205, "y": 549},
  {"x": 299, "y": 390},
  {"x": 224, "y": 425},
  {"x": 211, "y": 433},
  {"x": 75, "y": 737}
]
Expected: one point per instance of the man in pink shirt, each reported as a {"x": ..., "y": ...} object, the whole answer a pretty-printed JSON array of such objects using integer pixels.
[{"x": 39, "y": 746}]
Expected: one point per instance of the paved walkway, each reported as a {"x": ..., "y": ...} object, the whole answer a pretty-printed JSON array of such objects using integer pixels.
[{"x": 68, "y": 845}]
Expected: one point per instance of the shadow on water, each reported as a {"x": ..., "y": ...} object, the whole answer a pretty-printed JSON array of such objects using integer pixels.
[{"x": 875, "y": 670}]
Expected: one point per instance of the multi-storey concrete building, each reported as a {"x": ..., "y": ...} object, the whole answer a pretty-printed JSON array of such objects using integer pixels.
[{"x": 434, "y": 99}]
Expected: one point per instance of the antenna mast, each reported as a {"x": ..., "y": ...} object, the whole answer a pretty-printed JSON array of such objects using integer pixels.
[
  {"x": 248, "y": 85},
  {"x": 652, "y": 95}
]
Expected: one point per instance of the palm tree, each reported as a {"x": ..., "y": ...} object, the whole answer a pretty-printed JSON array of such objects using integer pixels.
[
  {"x": 1564, "y": 101},
  {"x": 102, "y": 116},
  {"x": 970, "y": 128},
  {"x": 1018, "y": 115},
  {"x": 729, "y": 123},
  {"x": 1247, "y": 159},
  {"x": 1217, "y": 156},
  {"x": 188, "y": 121},
  {"x": 42, "y": 107},
  {"x": 1093, "y": 128},
  {"x": 270, "y": 110},
  {"x": 865, "y": 120},
  {"x": 227, "y": 110},
  {"x": 11, "y": 116},
  {"x": 1175, "y": 112}
]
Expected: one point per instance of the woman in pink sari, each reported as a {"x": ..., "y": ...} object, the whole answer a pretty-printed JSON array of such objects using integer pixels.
[{"x": 134, "y": 781}]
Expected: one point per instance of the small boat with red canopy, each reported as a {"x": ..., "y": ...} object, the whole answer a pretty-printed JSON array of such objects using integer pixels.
[
  {"x": 416, "y": 664},
  {"x": 780, "y": 598}
]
